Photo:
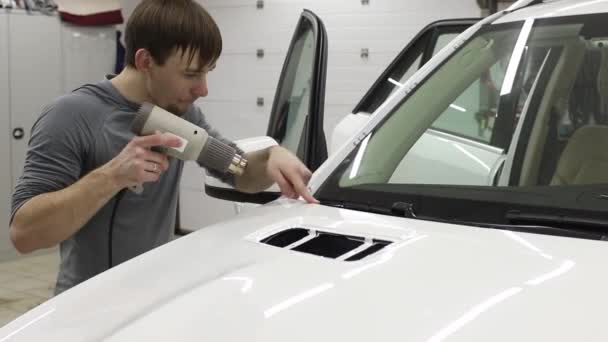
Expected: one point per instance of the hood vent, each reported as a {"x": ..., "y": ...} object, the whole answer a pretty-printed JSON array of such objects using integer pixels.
[{"x": 325, "y": 244}]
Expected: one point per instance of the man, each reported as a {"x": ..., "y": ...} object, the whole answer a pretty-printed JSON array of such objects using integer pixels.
[{"x": 82, "y": 154}]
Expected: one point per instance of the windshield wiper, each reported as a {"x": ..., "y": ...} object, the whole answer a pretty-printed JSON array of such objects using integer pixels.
[
  {"x": 516, "y": 216},
  {"x": 539, "y": 229},
  {"x": 357, "y": 206},
  {"x": 566, "y": 226},
  {"x": 555, "y": 225}
]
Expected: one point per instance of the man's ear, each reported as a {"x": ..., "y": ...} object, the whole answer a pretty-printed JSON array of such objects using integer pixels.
[{"x": 143, "y": 60}]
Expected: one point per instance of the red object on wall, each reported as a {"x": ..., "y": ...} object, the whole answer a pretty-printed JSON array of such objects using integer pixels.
[{"x": 96, "y": 19}]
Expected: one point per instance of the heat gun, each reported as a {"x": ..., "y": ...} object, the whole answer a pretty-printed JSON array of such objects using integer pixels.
[{"x": 196, "y": 145}]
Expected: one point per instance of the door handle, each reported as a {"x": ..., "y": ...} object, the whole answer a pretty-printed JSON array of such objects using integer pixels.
[{"x": 18, "y": 133}]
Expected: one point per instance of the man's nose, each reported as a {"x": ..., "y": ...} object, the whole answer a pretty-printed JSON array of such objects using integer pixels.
[{"x": 201, "y": 90}]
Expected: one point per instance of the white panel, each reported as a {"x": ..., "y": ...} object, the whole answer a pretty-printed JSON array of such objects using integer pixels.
[
  {"x": 6, "y": 248},
  {"x": 236, "y": 120},
  {"x": 36, "y": 77},
  {"x": 89, "y": 53},
  {"x": 248, "y": 77}
]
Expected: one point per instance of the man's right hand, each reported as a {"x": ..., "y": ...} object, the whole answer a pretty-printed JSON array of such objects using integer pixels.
[{"x": 137, "y": 164}]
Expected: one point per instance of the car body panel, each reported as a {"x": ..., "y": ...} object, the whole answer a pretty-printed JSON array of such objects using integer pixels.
[
  {"x": 560, "y": 8},
  {"x": 221, "y": 284}
]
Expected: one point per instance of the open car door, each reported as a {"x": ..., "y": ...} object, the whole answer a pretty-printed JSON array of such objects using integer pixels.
[{"x": 296, "y": 119}]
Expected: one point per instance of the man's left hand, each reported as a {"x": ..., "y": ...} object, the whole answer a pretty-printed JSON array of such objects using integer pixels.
[{"x": 289, "y": 173}]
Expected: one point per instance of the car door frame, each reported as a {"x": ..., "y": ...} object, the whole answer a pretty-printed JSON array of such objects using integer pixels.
[{"x": 312, "y": 141}]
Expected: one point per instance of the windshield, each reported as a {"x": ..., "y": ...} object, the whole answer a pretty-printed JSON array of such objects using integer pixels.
[{"x": 516, "y": 118}]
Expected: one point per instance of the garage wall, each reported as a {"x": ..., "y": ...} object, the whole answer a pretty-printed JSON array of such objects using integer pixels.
[{"x": 383, "y": 27}]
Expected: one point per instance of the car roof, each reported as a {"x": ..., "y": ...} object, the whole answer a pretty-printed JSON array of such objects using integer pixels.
[{"x": 556, "y": 8}]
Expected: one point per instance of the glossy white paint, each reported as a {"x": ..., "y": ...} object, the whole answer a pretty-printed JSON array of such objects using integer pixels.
[
  {"x": 345, "y": 129},
  {"x": 559, "y": 8},
  {"x": 438, "y": 282}
]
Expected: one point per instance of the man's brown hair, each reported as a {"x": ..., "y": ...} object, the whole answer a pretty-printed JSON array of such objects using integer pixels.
[{"x": 165, "y": 26}]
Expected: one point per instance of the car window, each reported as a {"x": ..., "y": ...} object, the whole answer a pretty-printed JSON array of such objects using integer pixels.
[
  {"x": 424, "y": 46},
  {"x": 443, "y": 39},
  {"x": 297, "y": 112},
  {"x": 559, "y": 140},
  {"x": 519, "y": 103},
  {"x": 293, "y": 101},
  {"x": 402, "y": 74},
  {"x": 471, "y": 115}
]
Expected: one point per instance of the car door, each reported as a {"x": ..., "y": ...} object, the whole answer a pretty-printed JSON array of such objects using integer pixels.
[{"x": 296, "y": 118}]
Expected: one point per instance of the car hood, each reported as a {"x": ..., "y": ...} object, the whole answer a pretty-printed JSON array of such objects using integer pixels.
[{"x": 436, "y": 282}]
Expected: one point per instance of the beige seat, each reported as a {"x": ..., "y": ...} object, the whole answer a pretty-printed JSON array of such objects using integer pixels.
[{"x": 585, "y": 158}]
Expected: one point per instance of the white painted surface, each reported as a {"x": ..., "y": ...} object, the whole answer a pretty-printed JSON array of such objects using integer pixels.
[
  {"x": 89, "y": 53},
  {"x": 437, "y": 282}
]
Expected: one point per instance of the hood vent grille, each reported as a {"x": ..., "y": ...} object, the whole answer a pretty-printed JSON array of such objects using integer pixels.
[{"x": 325, "y": 244}]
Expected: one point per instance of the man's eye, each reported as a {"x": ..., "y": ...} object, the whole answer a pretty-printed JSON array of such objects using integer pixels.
[{"x": 192, "y": 75}]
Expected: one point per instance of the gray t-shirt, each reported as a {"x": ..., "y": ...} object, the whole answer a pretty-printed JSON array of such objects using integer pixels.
[{"x": 76, "y": 134}]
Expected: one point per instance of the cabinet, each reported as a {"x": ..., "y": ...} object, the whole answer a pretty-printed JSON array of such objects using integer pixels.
[
  {"x": 40, "y": 59},
  {"x": 5, "y": 140},
  {"x": 35, "y": 75}
]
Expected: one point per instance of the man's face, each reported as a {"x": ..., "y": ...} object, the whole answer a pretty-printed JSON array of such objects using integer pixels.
[{"x": 176, "y": 84}]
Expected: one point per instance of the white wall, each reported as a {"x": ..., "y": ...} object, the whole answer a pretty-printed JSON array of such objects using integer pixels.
[{"x": 383, "y": 26}]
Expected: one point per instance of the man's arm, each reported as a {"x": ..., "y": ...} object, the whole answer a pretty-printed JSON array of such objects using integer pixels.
[
  {"x": 255, "y": 178},
  {"x": 275, "y": 164},
  {"x": 50, "y": 218},
  {"x": 47, "y": 219},
  {"x": 264, "y": 167}
]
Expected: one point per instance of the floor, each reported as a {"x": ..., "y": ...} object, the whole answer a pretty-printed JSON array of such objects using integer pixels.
[{"x": 25, "y": 283}]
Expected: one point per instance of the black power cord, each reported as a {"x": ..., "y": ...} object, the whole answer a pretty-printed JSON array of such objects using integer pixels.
[{"x": 117, "y": 199}]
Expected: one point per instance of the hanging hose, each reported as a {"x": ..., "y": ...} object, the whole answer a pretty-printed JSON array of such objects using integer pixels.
[{"x": 119, "y": 196}]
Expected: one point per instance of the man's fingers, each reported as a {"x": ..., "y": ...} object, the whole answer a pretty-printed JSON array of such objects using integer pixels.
[
  {"x": 158, "y": 139},
  {"x": 284, "y": 185},
  {"x": 299, "y": 184},
  {"x": 171, "y": 140},
  {"x": 158, "y": 158},
  {"x": 153, "y": 167},
  {"x": 146, "y": 176},
  {"x": 148, "y": 140}
]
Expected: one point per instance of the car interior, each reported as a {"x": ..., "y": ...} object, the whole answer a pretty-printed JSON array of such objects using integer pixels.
[{"x": 564, "y": 119}]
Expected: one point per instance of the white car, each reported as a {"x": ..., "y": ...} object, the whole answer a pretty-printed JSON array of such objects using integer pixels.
[{"x": 387, "y": 255}]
